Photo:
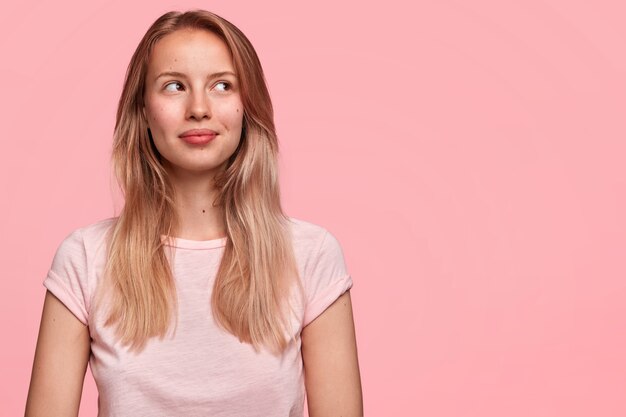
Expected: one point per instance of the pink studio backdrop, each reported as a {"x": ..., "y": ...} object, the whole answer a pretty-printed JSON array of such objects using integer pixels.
[{"x": 469, "y": 156}]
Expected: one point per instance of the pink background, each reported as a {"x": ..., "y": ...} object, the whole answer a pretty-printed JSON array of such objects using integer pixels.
[{"x": 469, "y": 156}]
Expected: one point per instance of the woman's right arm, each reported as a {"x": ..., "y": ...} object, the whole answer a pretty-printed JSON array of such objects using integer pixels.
[{"x": 61, "y": 358}]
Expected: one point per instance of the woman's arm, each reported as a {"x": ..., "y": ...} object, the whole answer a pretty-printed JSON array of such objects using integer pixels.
[
  {"x": 331, "y": 367},
  {"x": 60, "y": 363}
]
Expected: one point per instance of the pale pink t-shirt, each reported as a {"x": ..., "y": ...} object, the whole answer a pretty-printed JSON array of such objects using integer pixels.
[{"x": 202, "y": 370}]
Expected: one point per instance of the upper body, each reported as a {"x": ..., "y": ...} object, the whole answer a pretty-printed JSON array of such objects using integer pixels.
[{"x": 201, "y": 370}]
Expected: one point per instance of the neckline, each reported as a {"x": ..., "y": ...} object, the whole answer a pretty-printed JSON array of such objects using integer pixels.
[{"x": 194, "y": 244}]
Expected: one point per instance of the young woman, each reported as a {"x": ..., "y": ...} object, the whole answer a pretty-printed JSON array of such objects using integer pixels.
[{"x": 202, "y": 298}]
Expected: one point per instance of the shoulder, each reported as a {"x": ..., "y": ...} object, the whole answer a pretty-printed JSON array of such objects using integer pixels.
[
  {"x": 305, "y": 232},
  {"x": 71, "y": 275},
  {"x": 324, "y": 271},
  {"x": 85, "y": 240},
  {"x": 94, "y": 234},
  {"x": 310, "y": 239},
  {"x": 315, "y": 244}
]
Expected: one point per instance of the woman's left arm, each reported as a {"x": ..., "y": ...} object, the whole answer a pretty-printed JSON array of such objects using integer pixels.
[{"x": 331, "y": 366}]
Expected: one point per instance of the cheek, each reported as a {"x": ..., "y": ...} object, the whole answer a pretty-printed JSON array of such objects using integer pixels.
[
  {"x": 161, "y": 115},
  {"x": 232, "y": 114}
]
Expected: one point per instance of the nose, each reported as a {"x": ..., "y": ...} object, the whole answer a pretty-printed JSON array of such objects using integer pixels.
[{"x": 199, "y": 105}]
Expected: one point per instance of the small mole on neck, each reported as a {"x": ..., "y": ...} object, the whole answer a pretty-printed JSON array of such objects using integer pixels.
[{"x": 203, "y": 211}]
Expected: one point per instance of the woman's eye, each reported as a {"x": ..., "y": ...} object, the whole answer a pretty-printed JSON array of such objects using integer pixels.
[
  {"x": 174, "y": 84},
  {"x": 225, "y": 86}
]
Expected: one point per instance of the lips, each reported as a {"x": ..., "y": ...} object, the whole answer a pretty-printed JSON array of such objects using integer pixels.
[{"x": 198, "y": 136}]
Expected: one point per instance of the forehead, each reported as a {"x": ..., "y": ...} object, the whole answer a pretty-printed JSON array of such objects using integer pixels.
[{"x": 189, "y": 50}]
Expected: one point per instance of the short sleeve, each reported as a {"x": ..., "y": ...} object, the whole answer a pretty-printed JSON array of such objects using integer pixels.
[
  {"x": 327, "y": 278},
  {"x": 67, "y": 277}
]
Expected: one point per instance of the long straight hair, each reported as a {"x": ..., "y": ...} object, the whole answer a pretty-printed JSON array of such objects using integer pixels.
[{"x": 250, "y": 297}]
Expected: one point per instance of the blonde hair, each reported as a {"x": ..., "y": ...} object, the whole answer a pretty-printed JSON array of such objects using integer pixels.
[{"x": 258, "y": 266}]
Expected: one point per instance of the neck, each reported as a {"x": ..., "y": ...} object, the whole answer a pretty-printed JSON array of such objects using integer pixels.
[{"x": 198, "y": 219}]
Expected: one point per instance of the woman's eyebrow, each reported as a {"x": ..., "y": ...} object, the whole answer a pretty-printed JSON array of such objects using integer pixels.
[{"x": 181, "y": 75}]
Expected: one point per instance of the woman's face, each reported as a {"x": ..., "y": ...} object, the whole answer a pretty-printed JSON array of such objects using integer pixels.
[{"x": 191, "y": 84}]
